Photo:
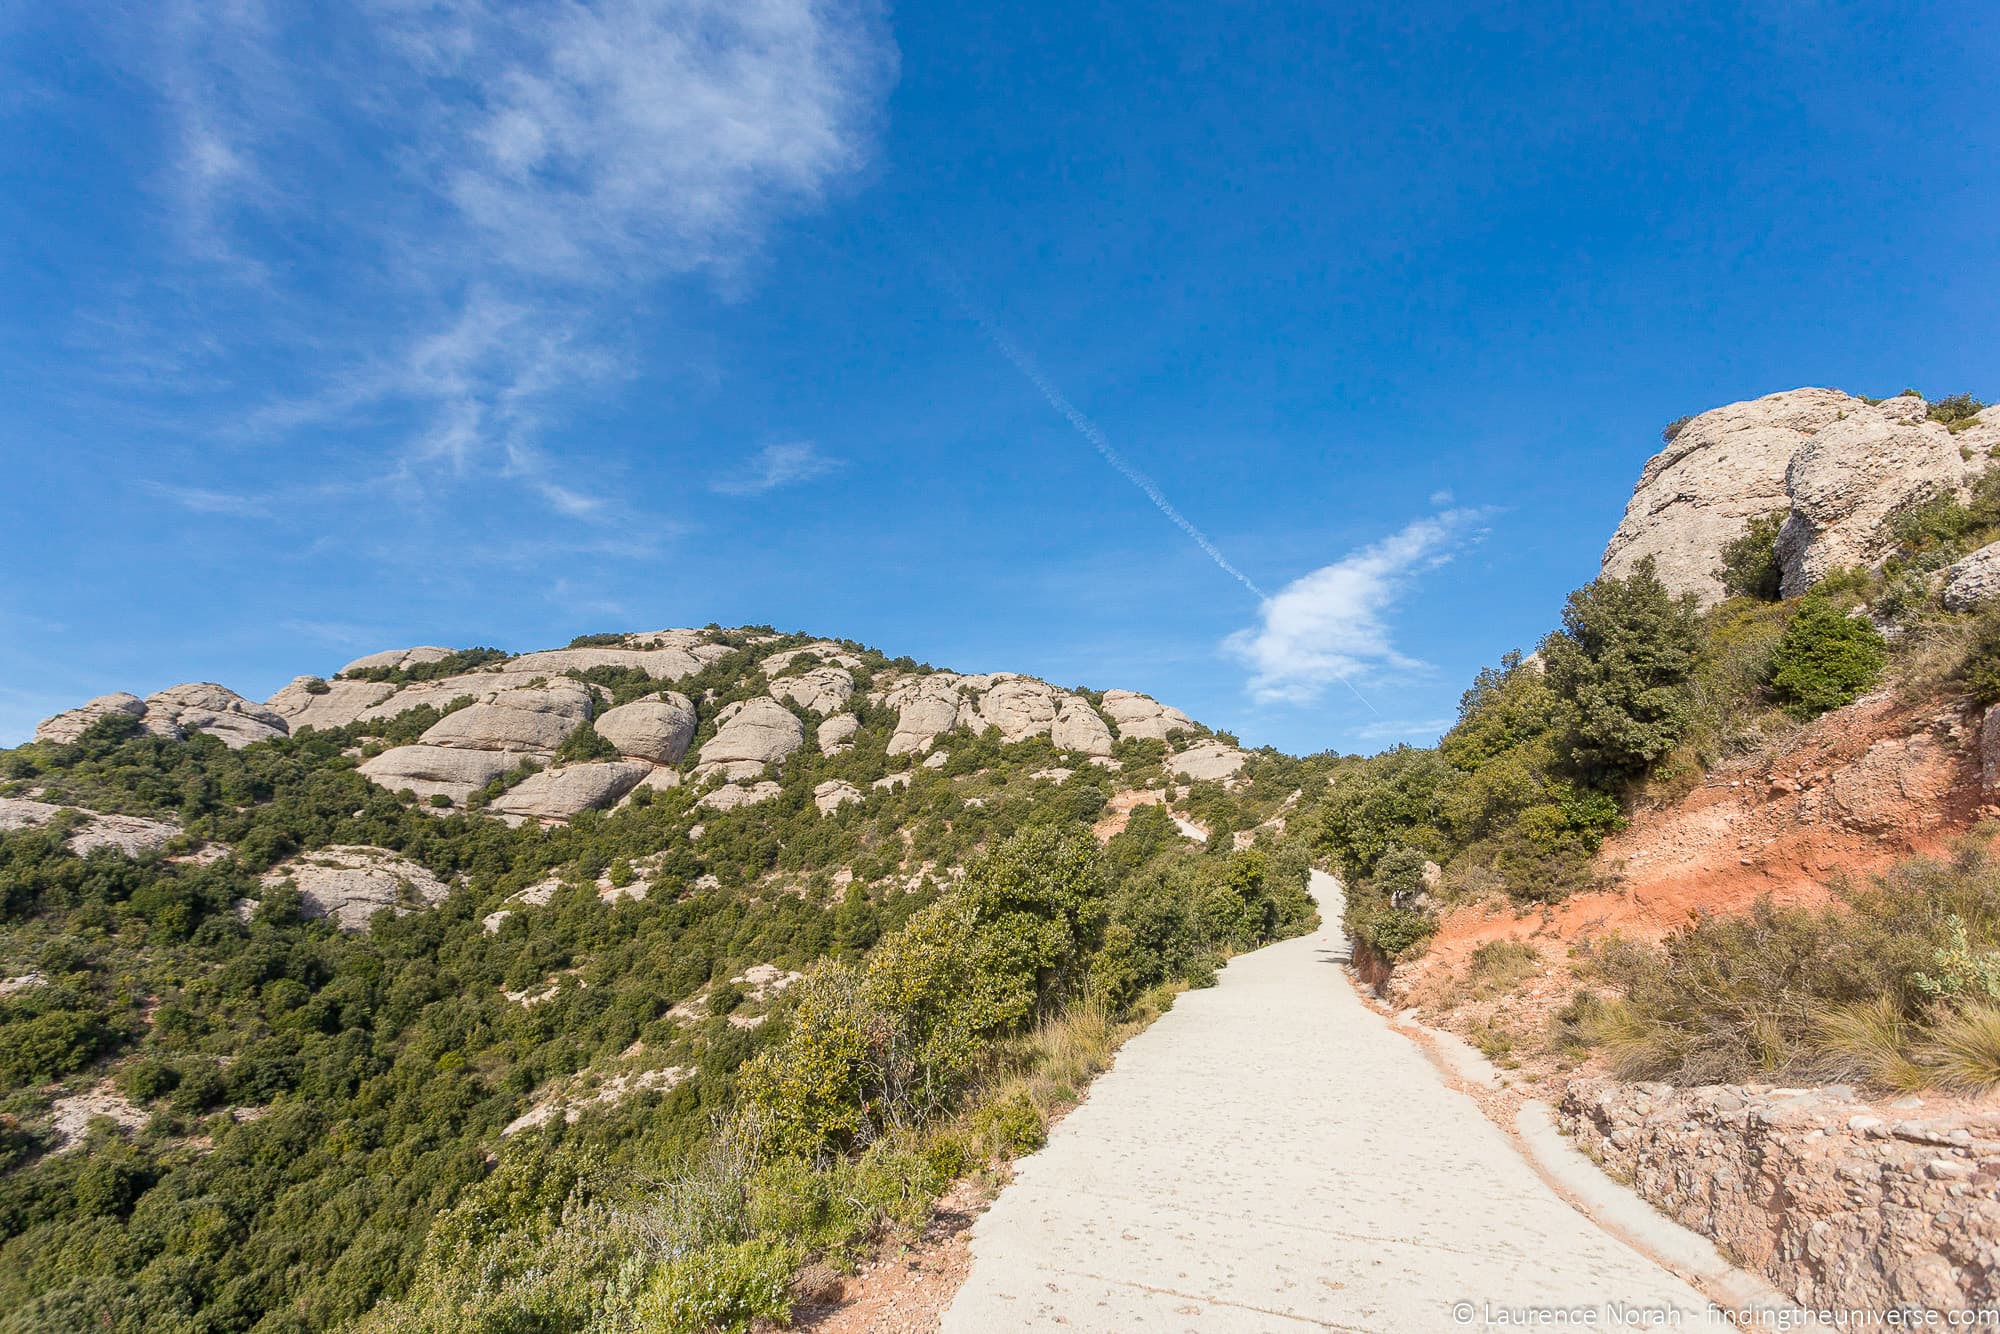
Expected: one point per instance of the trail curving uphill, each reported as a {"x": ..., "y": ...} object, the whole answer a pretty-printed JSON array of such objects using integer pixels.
[{"x": 1270, "y": 1155}]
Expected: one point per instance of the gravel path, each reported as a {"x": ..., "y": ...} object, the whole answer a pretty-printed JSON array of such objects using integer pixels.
[{"x": 1271, "y": 1156}]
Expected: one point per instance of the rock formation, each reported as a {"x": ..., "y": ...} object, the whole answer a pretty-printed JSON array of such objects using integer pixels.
[
  {"x": 730, "y": 796},
  {"x": 310, "y": 701},
  {"x": 1143, "y": 716},
  {"x": 820, "y": 690},
  {"x": 656, "y": 730},
  {"x": 1973, "y": 581},
  {"x": 558, "y": 794},
  {"x": 1834, "y": 465},
  {"x": 1207, "y": 760},
  {"x": 350, "y": 884},
  {"x": 752, "y": 733},
  {"x": 174, "y": 713},
  {"x": 128, "y": 834},
  {"x": 391, "y": 659},
  {"x": 834, "y": 793},
  {"x": 1079, "y": 728},
  {"x": 836, "y": 734}
]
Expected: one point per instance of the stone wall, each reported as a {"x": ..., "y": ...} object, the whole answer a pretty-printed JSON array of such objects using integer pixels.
[{"x": 1844, "y": 1204}]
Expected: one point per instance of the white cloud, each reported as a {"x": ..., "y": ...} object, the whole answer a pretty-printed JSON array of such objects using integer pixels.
[
  {"x": 1330, "y": 626},
  {"x": 477, "y": 197},
  {"x": 776, "y": 466},
  {"x": 200, "y": 500}
]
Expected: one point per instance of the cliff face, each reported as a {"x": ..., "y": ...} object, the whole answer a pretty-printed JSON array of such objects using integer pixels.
[{"x": 1834, "y": 465}]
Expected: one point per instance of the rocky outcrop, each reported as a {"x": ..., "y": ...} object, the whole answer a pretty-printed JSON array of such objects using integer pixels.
[
  {"x": 730, "y": 796},
  {"x": 430, "y": 771},
  {"x": 1973, "y": 581},
  {"x": 312, "y": 702},
  {"x": 1843, "y": 1204},
  {"x": 1020, "y": 707},
  {"x": 1834, "y": 465},
  {"x": 558, "y": 794},
  {"x": 66, "y": 727},
  {"x": 1207, "y": 761},
  {"x": 751, "y": 734},
  {"x": 536, "y": 720},
  {"x": 926, "y": 708},
  {"x": 825, "y": 651},
  {"x": 820, "y": 690},
  {"x": 1143, "y": 716},
  {"x": 391, "y": 659},
  {"x": 668, "y": 655},
  {"x": 128, "y": 834},
  {"x": 175, "y": 713},
  {"x": 1852, "y": 475},
  {"x": 836, "y": 734},
  {"x": 1079, "y": 728},
  {"x": 656, "y": 730},
  {"x": 350, "y": 884},
  {"x": 834, "y": 793},
  {"x": 206, "y": 707}
]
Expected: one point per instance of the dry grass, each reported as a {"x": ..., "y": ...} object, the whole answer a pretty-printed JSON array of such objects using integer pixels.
[{"x": 1882, "y": 988}]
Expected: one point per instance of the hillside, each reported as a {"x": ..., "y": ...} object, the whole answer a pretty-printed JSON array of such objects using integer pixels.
[{"x": 433, "y": 989}]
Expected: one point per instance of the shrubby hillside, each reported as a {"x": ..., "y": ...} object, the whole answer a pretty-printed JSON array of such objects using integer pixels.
[
  {"x": 625, "y": 985},
  {"x": 1781, "y": 685}
]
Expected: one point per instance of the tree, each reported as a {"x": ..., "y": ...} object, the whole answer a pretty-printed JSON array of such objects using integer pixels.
[
  {"x": 1750, "y": 567},
  {"x": 1621, "y": 668},
  {"x": 1826, "y": 659}
]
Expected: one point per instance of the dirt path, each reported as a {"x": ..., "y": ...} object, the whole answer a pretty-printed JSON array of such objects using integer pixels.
[{"x": 1271, "y": 1156}]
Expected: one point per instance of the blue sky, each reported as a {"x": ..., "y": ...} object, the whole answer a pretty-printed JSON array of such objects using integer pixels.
[{"x": 474, "y": 323}]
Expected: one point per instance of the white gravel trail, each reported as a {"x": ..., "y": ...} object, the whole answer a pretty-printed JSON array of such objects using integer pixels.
[{"x": 1270, "y": 1155}]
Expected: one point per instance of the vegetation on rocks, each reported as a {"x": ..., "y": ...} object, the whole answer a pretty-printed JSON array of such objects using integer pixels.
[{"x": 562, "y": 1098}]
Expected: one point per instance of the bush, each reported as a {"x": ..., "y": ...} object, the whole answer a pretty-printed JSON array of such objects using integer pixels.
[
  {"x": 1981, "y": 669},
  {"x": 1389, "y": 910},
  {"x": 1671, "y": 431},
  {"x": 720, "y": 1288},
  {"x": 1957, "y": 412},
  {"x": 1826, "y": 659},
  {"x": 1750, "y": 567},
  {"x": 1891, "y": 986},
  {"x": 1621, "y": 669}
]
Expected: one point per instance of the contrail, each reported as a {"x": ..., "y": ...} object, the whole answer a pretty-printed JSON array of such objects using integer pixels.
[{"x": 1088, "y": 429}]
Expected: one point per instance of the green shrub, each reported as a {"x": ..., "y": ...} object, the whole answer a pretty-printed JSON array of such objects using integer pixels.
[
  {"x": 1981, "y": 669},
  {"x": 1621, "y": 668},
  {"x": 720, "y": 1288},
  {"x": 1671, "y": 431},
  {"x": 1826, "y": 658},
  {"x": 1011, "y": 1126},
  {"x": 1750, "y": 567},
  {"x": 1957, "y": 412}
]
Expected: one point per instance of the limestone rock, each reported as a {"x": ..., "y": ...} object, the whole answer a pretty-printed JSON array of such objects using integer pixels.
[
  {"x": 753, "y": 734},
  {"x": 350, "y": 884},
  {"x": 1078, "y": 728},
  {"x": 1143, "y": 716},
  {"x": 1849, "y": 478},
  {"x": 1207, "y": 761},
  {"x": 128, "y": 834},
  {"x": 926, "y": 708},
  {"x": 536, "y": 720},
  {"x": 558, "y": 794},
  {"x": 1833, "y": 464},
  {"x": 66, "y": 727},
  {"x": 1989, "y": 752},
  {"x": 937, "y": 759},
  {"x": 658, "y": 730},
  {"x": 730, "y": 796},
  {"x": 398, "y": 657},
  {"x": 311, "y": 702},
  {"x": 669, "y": 661},
  {"x": 834, "y": 793},
  {"x": 1973, "y": 581},
  {"x": 203, "y": 706},
  {"x": 1020, "y": 707},
  {"x": 431, "y": 771},
  {"x": 821, "y": 690},
  {"x": 836, "y": 734},
  {"x": 828, "y": 653}
]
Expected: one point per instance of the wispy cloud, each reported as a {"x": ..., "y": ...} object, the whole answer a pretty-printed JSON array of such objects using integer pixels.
[
  {"x": 440, "y": 219},
  {"x": 200, "y": 500},
  {"x": 775, "y": 466},
  {"x": 1403, "y": 729},
  {"x": 1332, "y": 625}
]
